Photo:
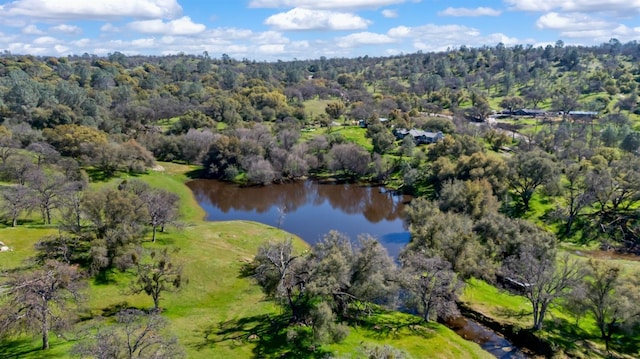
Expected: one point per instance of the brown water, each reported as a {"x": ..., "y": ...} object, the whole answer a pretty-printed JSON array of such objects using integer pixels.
[{"x": 310, "y": 209}]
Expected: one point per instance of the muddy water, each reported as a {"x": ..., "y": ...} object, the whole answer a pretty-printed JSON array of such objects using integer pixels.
[
  {"x": 310, "y": 209},
  {"x": 486, "y": 338}
]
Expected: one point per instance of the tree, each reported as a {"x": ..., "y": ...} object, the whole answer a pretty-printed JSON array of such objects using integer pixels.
[
  {"x": 535, "y": 94},
  {"x": 446, "y": 235},
  {"x": 349, "y": 158},
  {"x": 162, "y": 209},
  {"x": 541, "y": 278},
  {"x": 631, "y": 142},
  {"x": 565, "y": 100},
  {"x": 511, "y": 103},
  {"x": 15, "y": 200},
  {"x": 37, "y": 301},
  {"x": 343, "y": 274},
  {"x": 381, "y": 138},
  {"x": 474, "y": 198},
  {"x": 281, "y": 275},
  {"x": 135, "y": 335},
  {"x": 159, "y": 276},
  {"x": 575, "y": 193},
  {"x": 116, "y": 220},
  {"x": 335, "y": 109},
  {"x": 528, "y": 171},
  {"x": 612, "y": 298},
  {"x": 480, "y": 109},
  {"x": 432, "y": 287},
  {"x": 74, "y": 140},
  {"x": 46, "y": 188}
]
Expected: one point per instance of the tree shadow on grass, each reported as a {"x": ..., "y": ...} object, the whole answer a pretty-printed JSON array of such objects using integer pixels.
[
  {"x": 383, "y": 325},
  {"x": 565, "y": 333},
  {"x": 518, "y": 315},
  {"x": 271, "y": 335},
  {"x": 21, "y": 348}
]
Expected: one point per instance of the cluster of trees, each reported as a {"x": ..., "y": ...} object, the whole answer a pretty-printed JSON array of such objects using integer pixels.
[
  {"x": 339, "y": 281},
  {"x": 99, "y": 231},
  {"x": 127, "y": 97}
]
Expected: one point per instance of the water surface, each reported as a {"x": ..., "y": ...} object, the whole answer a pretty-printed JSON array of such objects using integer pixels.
[{"x": 310, "y": 209}]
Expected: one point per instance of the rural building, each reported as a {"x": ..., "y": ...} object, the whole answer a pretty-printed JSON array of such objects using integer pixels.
[
  {"x": 583, "y": 115},
  {"x": 528, "y": 112},
  {"x": 419, "y": 136}
]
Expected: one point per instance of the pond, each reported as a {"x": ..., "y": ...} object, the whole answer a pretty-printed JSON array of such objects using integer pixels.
[{"x": 309, "y": 209}]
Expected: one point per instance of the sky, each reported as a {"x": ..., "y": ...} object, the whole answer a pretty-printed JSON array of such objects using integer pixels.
[{"x": 269, "y": 30}]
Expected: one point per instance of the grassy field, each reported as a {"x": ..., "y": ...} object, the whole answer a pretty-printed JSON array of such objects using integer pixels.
[
  {"x": 313, "y": 108},
  {"x": 218, "y": 311}
]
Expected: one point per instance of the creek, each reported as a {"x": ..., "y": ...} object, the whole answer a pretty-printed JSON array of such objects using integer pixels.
[{"x": 309, "y": 209}]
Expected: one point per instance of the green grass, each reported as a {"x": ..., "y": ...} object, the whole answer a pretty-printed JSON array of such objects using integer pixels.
[
  {"x": 315, "y": 107},
  {"x": 218, "y": 311}
]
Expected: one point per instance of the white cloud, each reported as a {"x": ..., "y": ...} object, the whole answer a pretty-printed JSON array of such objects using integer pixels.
[
  {"x": 270, "y": 37},
  {"x": 181, "y": 26},
  {"x": 61, "y": 49},
  {"x": 305, "y": 19},
  {"x": 272, "y": 49},
  {"x": 363, "y": 38},
  {"x": 32, "y": 30},
  {"x": 108, "y": 27},
  {"x": 581, "y": 26},
  {"x": 389, "y": 13},
  {"x": 87, "y": 9},
  {"x": 570, "y": 22},
  {"x": 463, "y": 11},
  {"x": 46, "y": 40},
  {"x": 324, "y": 4},
  {"x": 432, "y": 37},
  {"x": 67, "y": 29},
  {"x": 144, "y": 43},
  {"x": 620, "y": 7}
]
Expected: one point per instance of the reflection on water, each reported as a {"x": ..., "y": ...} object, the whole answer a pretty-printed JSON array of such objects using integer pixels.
[{"x": 310, "y": 209}]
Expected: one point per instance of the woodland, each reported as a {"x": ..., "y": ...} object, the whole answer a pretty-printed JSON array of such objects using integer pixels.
[{"x": 527, "y": 212}]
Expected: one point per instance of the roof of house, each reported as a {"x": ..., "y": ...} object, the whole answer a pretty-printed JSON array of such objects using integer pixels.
[{"x": 584, "y": 113}]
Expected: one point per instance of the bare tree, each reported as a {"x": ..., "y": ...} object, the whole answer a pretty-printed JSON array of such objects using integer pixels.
[
  {"x": 431, "y": 286},
  {"x": 162, "y": 208},
  {"x": 278, "y": 271},
  {"x": 15, "y": 200},
  {"x": 159, "y": 276},
  {"x": 46, "y": 187},
  {"x": 135, "y": 335},
  {"x": 349, "y": 158},
  {"x": 17, "y": 168},
  {"x": 541, "y": 278},
  {"x": 37, "y": 301},
  {"x": 45, "y": 153}
]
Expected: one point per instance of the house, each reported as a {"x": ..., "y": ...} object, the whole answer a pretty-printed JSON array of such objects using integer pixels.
[
  {"x": 419, "y": 136},
  {"x": 583, "y": 115},
  {"x": 528, "y": 112},
  {"x": 364, "y": 124}
]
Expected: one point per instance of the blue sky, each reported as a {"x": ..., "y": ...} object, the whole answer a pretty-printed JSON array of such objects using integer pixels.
[{"x": 288, "y": 29}]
